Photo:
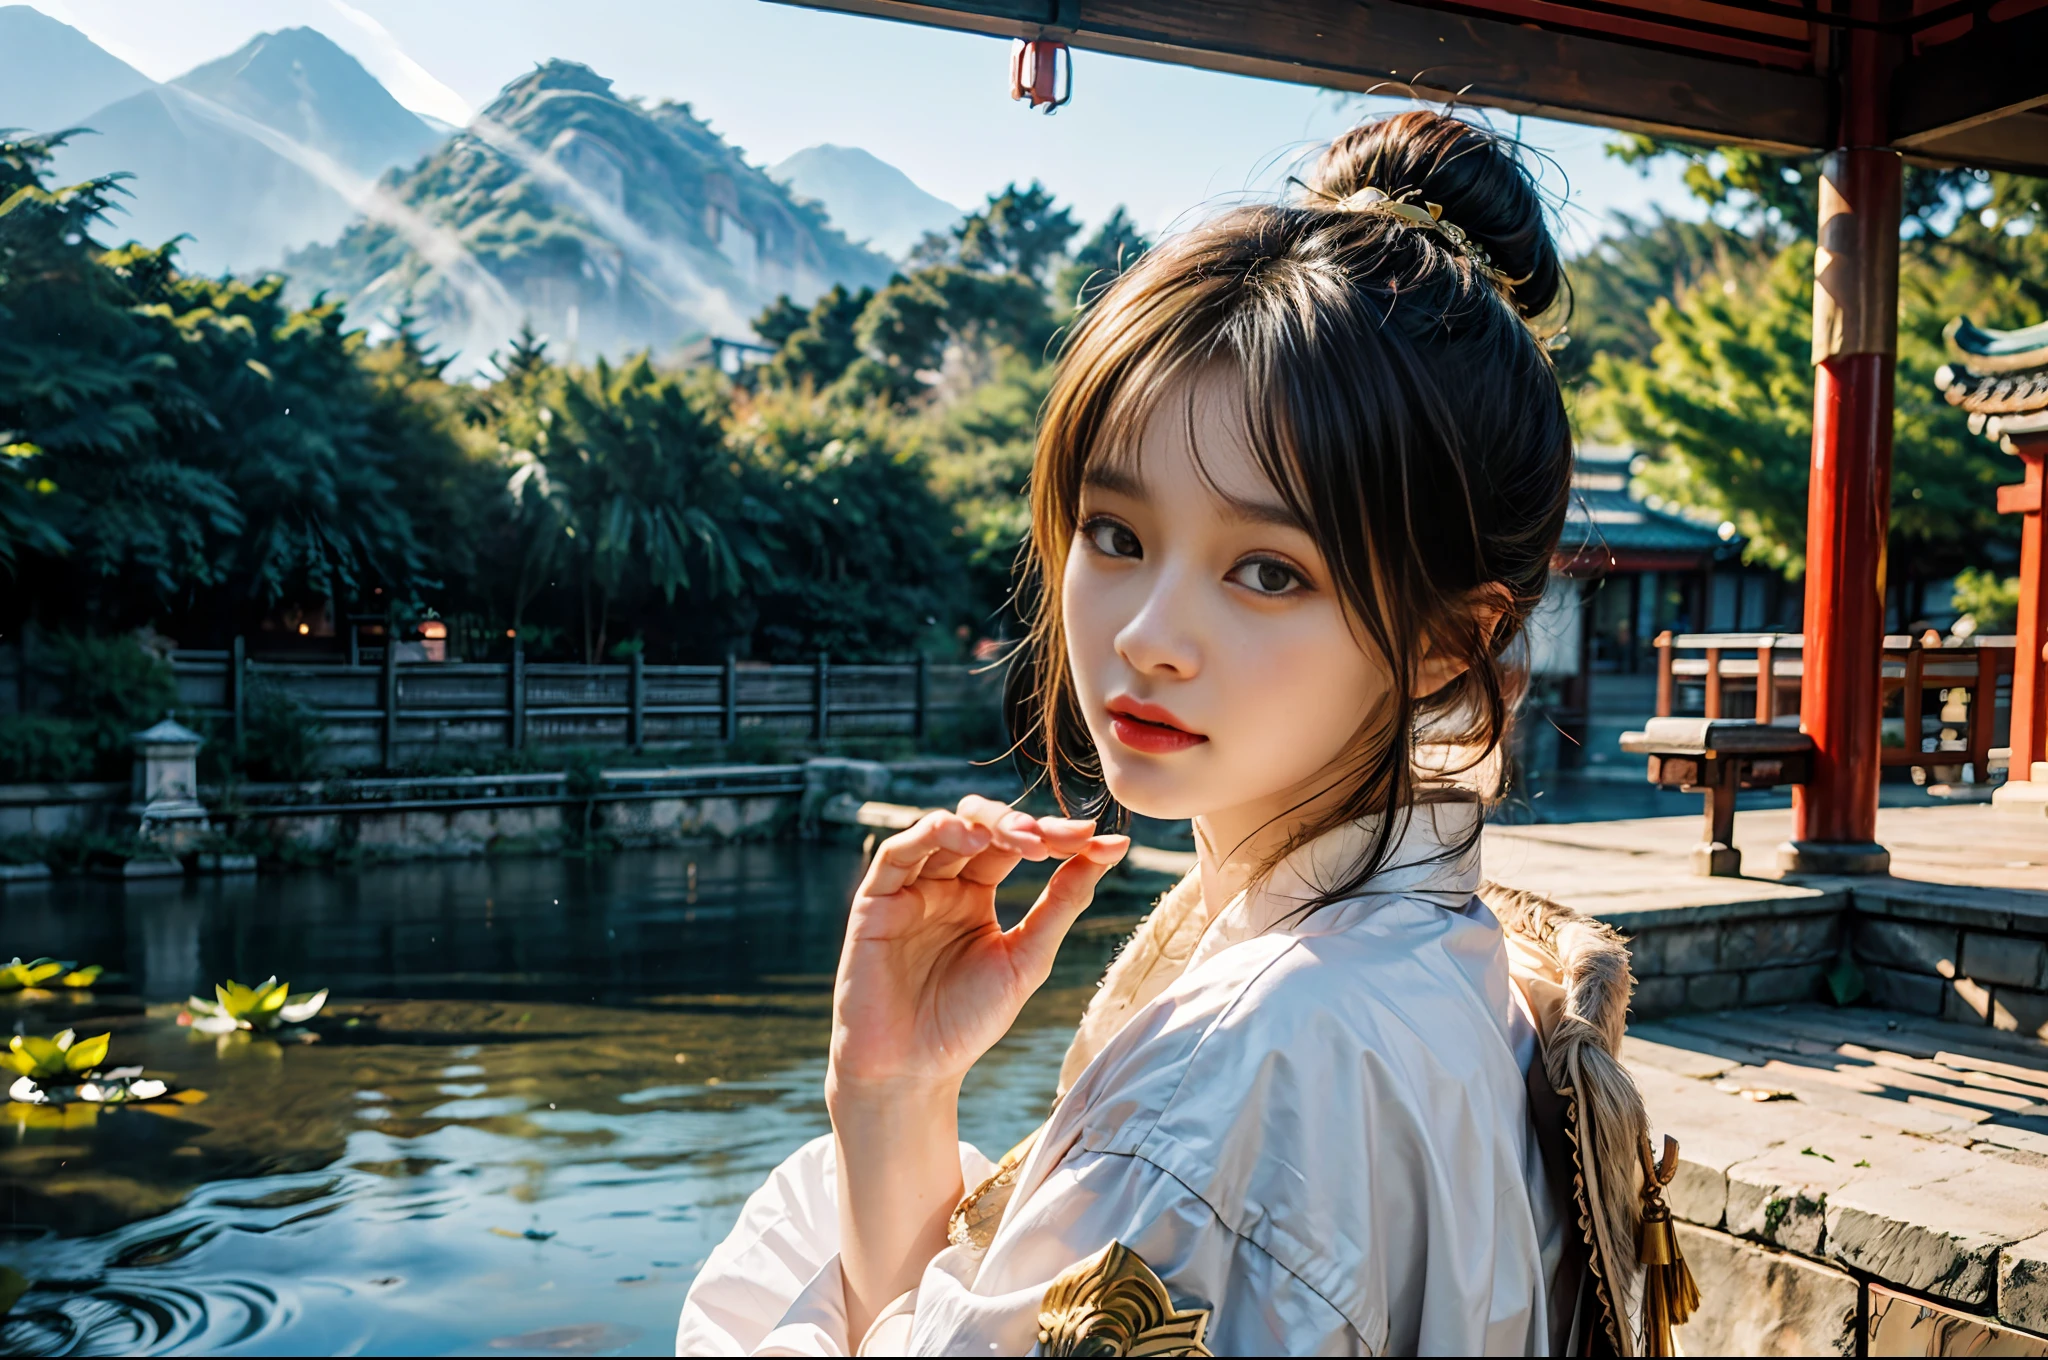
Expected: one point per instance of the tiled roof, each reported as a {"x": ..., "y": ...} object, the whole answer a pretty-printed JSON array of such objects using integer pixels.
[
  {"x": 1605, "y": 516},
  {"x": 1999, "y": 377}
]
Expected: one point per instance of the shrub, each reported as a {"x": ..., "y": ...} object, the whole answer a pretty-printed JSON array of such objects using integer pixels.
[
  {"x": 283, "y": 738},
  {"x": 110, "y": 687},
  {"x": 38, "y": 749}
]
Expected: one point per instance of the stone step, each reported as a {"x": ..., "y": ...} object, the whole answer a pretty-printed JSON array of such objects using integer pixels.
[{"x": 1913, "y": 1164}]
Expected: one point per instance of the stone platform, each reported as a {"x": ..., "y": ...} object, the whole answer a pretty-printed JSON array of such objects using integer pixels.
[
  {"x": 1869, "y": 1178},
  {"x": 1958, "y": 929},
  {"x": 1836, "y": 1163}
]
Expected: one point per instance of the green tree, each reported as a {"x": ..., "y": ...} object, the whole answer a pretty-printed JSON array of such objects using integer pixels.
[
  {"x": 1725, "y": 404},
  {"x": 865, "y": 560},
  {"x": 198, "y": 449},
  {"x": 1723, "y": 398},
  {"x": 982, "y": 450},
  {"x": 1021, "y": 231},
  {"x": 1775, "y": 198},
  {"x": 626, "y": 485},
  {"x": 89, "y": 390},
  {"x": 820, "y": 345},
  {"x": 1102, "y": 258},
  {"x": 1616, "y": 285}
]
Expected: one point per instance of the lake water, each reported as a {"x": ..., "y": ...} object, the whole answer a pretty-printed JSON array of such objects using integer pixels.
[{"x": 540, "y": 1093}]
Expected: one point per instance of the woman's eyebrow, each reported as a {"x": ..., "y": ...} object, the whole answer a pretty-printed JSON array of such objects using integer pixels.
[
  {"x": 1261, "y": 512},
  {"x": 1124, "y": 481},
  {"x": 1117, "y": 480}
]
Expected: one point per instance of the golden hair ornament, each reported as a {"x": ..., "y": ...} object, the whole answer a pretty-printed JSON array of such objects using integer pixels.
[{"x": 1409, "y": 210}]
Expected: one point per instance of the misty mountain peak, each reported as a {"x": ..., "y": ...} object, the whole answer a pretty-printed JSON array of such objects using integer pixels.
[
  {"x": 869, "y": 198},
  {"x": 612, "y": 224},
  {"x": 56, "y": 76},
  {"x": 298, "y": 82}
]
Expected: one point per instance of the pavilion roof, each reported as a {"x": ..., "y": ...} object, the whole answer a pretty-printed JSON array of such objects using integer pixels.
[
  {"x": 1971, "y": 86},
  {"x": 1607, "y": 520},
  {"x": 1999, "y": 377}
]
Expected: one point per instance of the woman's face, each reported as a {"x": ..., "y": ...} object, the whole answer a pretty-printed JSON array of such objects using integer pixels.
[{"x": 1211, "y": 654}]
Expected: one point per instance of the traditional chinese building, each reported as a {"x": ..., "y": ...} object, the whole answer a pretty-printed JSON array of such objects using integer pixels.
[
  {"x": 1627, "y": 569},
  {"x": 2001, "y": 379}
]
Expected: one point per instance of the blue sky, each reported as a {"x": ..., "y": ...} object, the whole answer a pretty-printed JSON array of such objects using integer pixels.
[{"x": 1166, "y": 141}]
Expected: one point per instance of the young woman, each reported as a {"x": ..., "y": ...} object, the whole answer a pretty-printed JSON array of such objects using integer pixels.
[{"x": 1297, "y": 489}]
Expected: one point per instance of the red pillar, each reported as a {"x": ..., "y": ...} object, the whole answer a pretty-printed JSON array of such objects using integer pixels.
[
  {"x": 1848, "y": 507},
  {"x": 2030, "y": 657}
]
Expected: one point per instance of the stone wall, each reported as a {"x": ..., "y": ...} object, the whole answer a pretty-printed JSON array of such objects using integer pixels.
[
  {"x": 1977, "y": 956},
  {"x": 58, "y": 809},
  {"x": 1765, "y": 1302},
  {"x": 458, "y": 816},
  {"x": 1756, "y": 953}
]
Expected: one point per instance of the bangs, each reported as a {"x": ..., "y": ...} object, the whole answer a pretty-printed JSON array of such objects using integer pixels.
[{"x": 1123, "y": 387}]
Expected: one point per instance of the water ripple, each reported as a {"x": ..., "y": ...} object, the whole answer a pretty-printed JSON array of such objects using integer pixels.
[{"x": 125, "y": 1314}]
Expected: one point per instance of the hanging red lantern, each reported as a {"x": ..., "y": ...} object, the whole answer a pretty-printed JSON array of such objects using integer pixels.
[{"x": 1034, "y": 69}]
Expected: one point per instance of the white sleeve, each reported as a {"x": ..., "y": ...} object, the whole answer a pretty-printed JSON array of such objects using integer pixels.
[
  {"x": 968, "y": 1304},
  {"x": 769, "y": 1274}
]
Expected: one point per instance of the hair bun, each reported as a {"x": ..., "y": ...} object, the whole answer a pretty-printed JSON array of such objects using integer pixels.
[{"x": 1475, "y": 174}]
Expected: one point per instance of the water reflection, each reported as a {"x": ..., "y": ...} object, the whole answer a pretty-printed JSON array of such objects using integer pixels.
[
  {"x": 621, "y": 924},
  {"x": 539, "y": 1097}
]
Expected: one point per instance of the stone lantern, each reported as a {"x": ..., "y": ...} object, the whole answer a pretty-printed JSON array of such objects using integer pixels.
[{"x": 166, "y": 791}]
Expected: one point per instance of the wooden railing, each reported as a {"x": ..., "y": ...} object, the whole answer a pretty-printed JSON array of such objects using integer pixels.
[{"x": 1767, "y": 668}]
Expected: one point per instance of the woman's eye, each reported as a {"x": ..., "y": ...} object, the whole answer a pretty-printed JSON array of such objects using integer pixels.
[
  {"x": 1267, "y": 577},
  {"x": 1112, "y": 539}
]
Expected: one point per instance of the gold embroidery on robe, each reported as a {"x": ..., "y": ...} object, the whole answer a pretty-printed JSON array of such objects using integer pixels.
[
  {"x": 974, "y": 1219},
  {"x": 1113, "y": 1304}
]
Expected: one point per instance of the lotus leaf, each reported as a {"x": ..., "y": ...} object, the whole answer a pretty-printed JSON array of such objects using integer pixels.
[
  {"x": 262, "y": 1009},
  {"x": 120, "y": 1086}
]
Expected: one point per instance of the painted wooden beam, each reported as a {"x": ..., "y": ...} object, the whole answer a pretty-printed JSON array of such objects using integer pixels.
[
  {"x": 2017, "y": 142},
  {"x": 1373, "y": 46},
  {"x": 1971, "y": 95}
]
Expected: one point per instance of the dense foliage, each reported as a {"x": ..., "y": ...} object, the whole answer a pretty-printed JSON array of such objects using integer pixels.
[
  {"x": 1699, "y": 352},
  {"x": 200, "y": 457}
]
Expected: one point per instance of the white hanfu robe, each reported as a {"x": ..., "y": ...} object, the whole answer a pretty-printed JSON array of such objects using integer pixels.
[{"x": 1313, "y": 1129}]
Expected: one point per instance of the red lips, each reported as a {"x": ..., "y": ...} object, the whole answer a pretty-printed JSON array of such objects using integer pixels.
[{"x": 1149, "y": 728}]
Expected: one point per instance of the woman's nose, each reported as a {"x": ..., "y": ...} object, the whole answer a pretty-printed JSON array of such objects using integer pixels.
[{"x": 1161, "y": 637}]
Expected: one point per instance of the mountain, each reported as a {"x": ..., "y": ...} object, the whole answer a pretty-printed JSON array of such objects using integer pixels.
[
  {"x": 207, "y": 173},
  {"x": 299, "y": 83},
  {"x": 55, "y": 74},
  {"x": 610, "y": 224},
  {"x": 870, "y": 199},
  {"x": 270, "y": 148}
]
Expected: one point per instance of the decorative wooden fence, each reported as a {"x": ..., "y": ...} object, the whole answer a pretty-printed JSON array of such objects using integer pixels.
[
  {"x": 1758, "y": 675},
  {"x": 392, "y": 712}
]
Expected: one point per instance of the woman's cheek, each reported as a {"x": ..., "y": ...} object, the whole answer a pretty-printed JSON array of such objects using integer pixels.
[
  {"x": 1091, "y": 641},
  {"x": 1299, "y": 694}
]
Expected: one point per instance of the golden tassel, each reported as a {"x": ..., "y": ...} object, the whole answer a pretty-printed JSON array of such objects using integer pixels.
[{"x": 1669, "y": 1294}]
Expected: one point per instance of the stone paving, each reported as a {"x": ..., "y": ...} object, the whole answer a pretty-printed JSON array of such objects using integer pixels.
[
  {"x": 1644, "y": 860},
  {"x": 1861, "y": 1179},
  {"x": 1825, "y": 1152}
]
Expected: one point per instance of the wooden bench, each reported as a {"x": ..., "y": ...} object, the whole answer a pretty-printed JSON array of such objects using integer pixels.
[{"x": 1719, "y": 757}]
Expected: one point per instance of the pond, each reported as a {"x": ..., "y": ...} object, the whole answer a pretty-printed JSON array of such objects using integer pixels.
[{"x": 536, "y": 1102}]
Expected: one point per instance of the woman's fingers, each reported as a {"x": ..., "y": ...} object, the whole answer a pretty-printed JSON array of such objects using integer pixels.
[
  {"x": 1035, "y": 939},
  {"x": 901, "y": 858},
  {"x": 1033, "y": 838}
]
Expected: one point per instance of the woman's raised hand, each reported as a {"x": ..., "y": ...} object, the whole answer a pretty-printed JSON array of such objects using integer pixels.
[{"x": 928, "y": 981}]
